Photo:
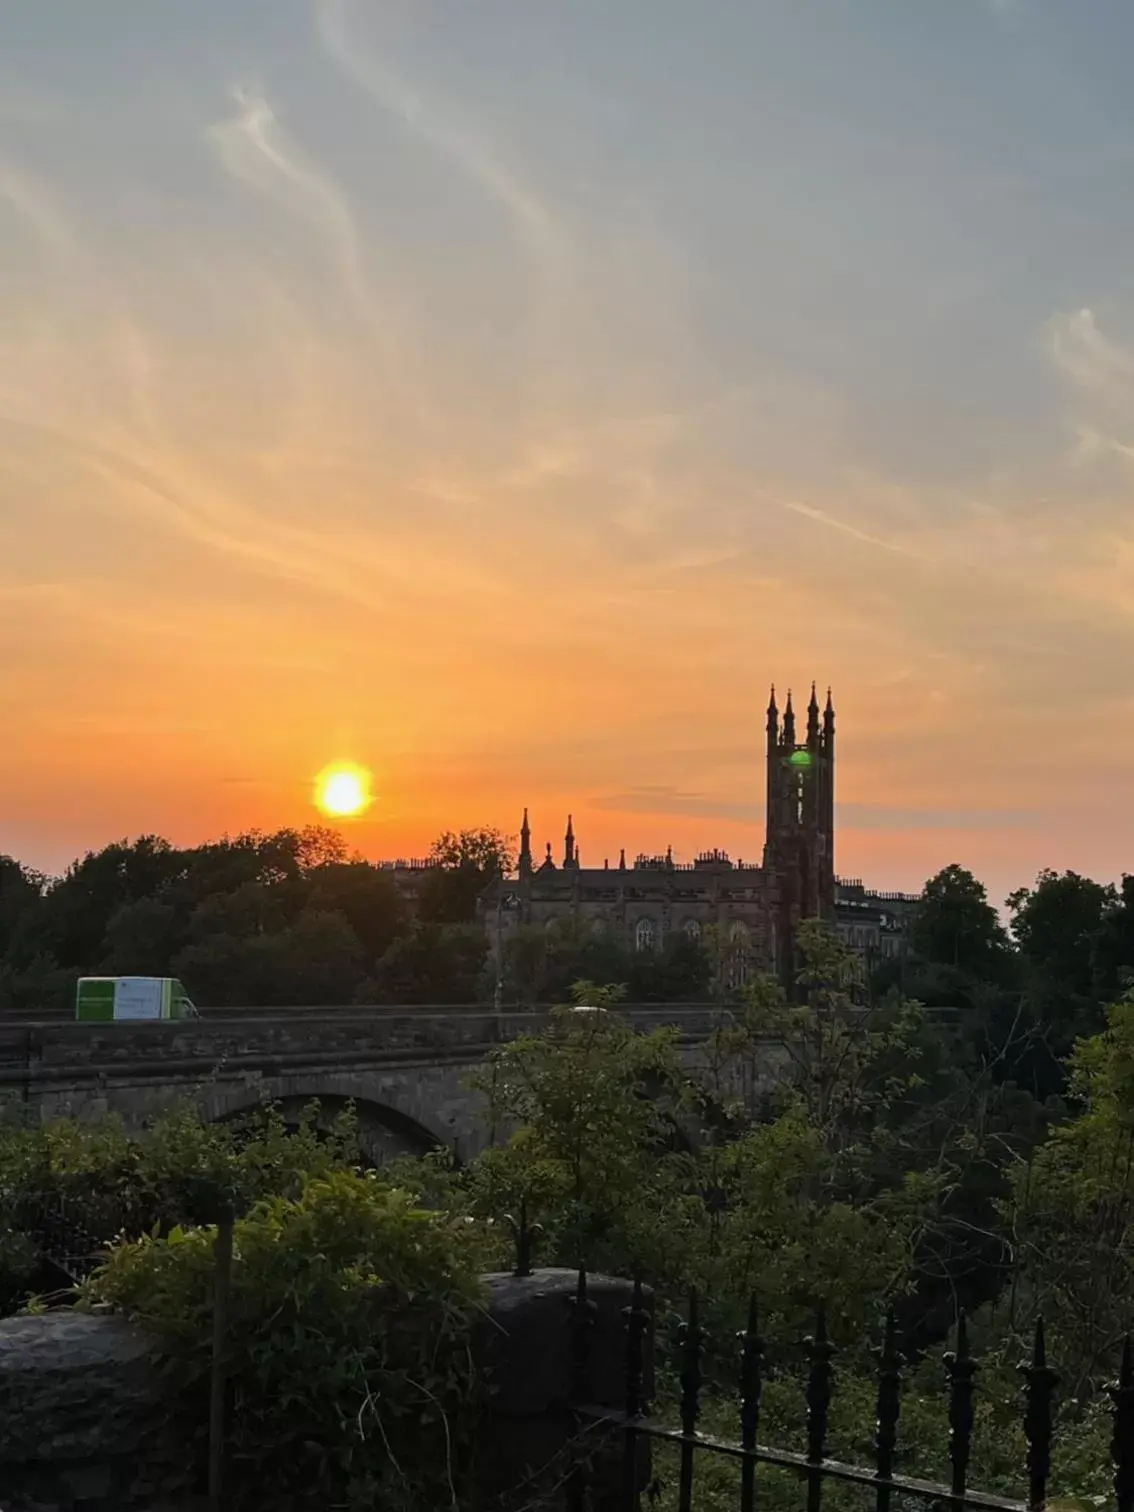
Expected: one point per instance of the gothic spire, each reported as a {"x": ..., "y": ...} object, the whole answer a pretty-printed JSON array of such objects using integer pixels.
[
  {"x": 813, "y": 719},
  {"x": 789, "y": 723},
  {"x": 525, "y": 846},
  {"x": 569, "y": 844}
]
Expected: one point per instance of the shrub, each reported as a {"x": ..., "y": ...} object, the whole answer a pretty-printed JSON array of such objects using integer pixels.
[{"x": 349, "y": 1317}]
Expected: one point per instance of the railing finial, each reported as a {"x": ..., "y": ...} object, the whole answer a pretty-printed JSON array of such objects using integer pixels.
[
  {"x": 960, "y": 1369},
  {"x": 889, "y": 1406},
  {"x": 1041, "y": 1383}
]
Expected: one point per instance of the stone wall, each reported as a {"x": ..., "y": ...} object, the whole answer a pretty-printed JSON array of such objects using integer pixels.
[
  {"x": 88, "y": 1422},
  {"x": 407, "y": 1073}
]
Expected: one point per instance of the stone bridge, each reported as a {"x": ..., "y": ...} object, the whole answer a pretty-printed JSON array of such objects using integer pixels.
[{"x": 405, "y": 1070}]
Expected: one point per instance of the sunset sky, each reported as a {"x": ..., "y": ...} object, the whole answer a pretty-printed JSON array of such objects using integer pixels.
[{"x": 502, "y": 393}]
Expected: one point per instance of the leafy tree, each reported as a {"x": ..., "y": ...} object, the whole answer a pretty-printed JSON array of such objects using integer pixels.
[
  {"x": 140, "y": 939},
  {"x": 542, "y": 965},
  {"x": 850, "y": 1062},
  {"x": 317, "y": 959},
  {"x": 1114, "y": 948},
  {"x": 1056, "y": 925},
  {"x": 466, "y": 864},
  {"x": 1071, "y": 1212},
  {"x": 433, "y": 964},
  {"x": 21, "y": 892},
  {"x": 363, "y": 895},
  {"x": 488, "y": 850},
  {"x": 77, "y": 909},
  {"x": 680, "y": 972},
  {"x": 587, "y": 1135},
  {"x": 955, "y": 925}
]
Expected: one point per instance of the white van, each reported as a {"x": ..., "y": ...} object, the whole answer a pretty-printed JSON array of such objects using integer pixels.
[{"x": 106, "y": 999}]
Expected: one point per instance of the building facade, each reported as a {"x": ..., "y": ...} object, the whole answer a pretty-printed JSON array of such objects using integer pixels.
[{"x": 752, "y": 907}]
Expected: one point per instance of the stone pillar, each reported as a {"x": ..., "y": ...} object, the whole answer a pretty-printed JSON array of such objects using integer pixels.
[
  {"x": 87, "y": 1419},
  {"x": 525, "y": 1445}
]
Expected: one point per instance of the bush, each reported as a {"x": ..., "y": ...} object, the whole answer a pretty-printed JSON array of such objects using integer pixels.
[
  {"x": 87, "y": 1185},
  {"x": 349, "y": 1317}
]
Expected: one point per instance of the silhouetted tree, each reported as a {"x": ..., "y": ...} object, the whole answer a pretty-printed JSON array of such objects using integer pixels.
[{"x": 466, "y": 863}]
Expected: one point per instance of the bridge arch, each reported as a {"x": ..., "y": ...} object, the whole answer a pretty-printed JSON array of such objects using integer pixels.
[{"x": 385, "y": 1131}]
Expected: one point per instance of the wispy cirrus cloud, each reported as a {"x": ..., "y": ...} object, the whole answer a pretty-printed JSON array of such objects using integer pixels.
[
  {"x": 255, "y": 149},
  {"x": 36, "y": 208},
  {"x": 459, "y": 145},
  {"x": 1099, "y": 371}
]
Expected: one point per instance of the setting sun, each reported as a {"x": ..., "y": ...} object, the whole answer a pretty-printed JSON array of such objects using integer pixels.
[{"x": 343, "y": 790}]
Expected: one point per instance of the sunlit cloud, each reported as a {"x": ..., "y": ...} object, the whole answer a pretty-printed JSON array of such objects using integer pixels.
[
  {"x": 256, "y": 150},
  {"x": 515, "y": 441}
]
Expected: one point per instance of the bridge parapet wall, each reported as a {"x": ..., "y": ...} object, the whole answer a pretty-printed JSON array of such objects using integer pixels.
[{"x": 406, "y": 1072}]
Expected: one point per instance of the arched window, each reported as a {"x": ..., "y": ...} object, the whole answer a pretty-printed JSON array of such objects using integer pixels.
[
  {"x": 693, "y": 928},
  {"x": 739, "y": 943},
  {"x": 645, "y": 935}
]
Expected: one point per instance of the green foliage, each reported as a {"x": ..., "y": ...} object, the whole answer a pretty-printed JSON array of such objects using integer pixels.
[
  {"x": 542, "y": 965},
  {"x": 434, "y": 963},
  {"x": 633, "y": 1160},
  {"x": 956, "y": 925},
  {"x": 106, "y": 1182},
  {"x": 587, "y": 1135},
  {"x": 1071, "y": 1210},
  {"x": 348, "y": 1326},
  {"x": 1114, "y": 948},
  {"x": 285, "y": 918},
  {"x": 906, "y": 1155},
  {"x": 466, "y": 864}
]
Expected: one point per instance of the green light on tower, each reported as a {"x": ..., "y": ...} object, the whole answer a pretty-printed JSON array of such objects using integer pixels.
[{"x": 800, "y": 760}]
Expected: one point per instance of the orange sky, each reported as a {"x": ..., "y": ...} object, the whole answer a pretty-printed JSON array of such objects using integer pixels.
[{"x": 360, "y": 400}]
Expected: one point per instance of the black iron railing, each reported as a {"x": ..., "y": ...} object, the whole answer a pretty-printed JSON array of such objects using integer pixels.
[{"x": 636, "y": 1422}]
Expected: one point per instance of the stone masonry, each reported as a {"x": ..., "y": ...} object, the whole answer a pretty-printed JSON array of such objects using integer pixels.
[
  {"x": 89, "y": 1421},
  {"x": 406, "y": 1073}
]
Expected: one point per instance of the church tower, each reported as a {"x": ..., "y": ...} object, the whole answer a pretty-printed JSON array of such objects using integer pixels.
[{"x": 799, "y": 845}]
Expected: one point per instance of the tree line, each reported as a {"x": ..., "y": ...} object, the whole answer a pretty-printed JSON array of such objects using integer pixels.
[{"x": 294, "y": 917}]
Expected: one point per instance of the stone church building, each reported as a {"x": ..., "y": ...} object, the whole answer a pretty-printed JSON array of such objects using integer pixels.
[{"x": 753, "y": 906}]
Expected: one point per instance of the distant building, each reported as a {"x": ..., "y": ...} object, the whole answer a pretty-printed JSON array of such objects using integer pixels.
[
  {"x": 409, "y": 876},
  {"x": 755, "y": 907}
]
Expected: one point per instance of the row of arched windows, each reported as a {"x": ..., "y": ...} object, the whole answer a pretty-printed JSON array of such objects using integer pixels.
[{"x": 646, "y": 933}]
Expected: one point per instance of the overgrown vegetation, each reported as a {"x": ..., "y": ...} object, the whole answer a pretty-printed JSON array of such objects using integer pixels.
[
  {"x": 851, "y": 1146},
  {"x": 352, "y": 1382}
]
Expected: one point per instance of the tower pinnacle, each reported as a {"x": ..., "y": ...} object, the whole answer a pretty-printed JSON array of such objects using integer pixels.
[{"x": 525, "y": 847}]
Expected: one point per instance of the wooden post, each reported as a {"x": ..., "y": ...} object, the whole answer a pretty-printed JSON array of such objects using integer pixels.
[{"x": 222, "y": 1277}]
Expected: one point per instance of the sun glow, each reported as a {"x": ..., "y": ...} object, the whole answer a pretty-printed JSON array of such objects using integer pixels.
[{"x": 343, "y": 790}]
